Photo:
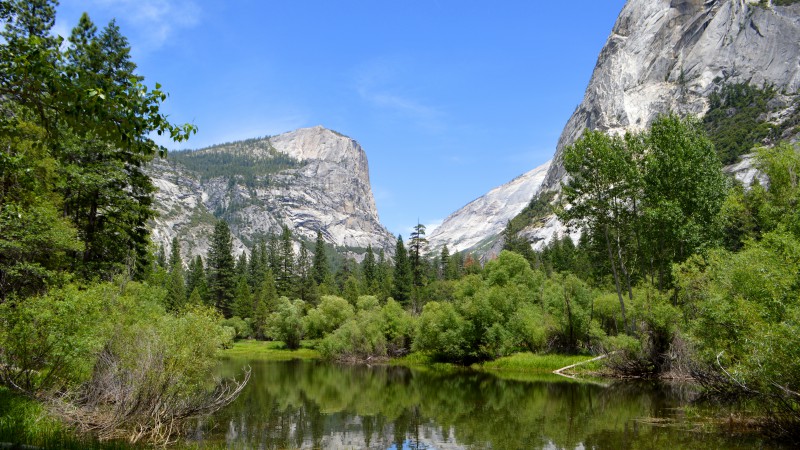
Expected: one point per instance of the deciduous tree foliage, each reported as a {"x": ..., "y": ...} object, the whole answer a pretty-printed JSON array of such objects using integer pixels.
[{"x": 80, "y": 117}]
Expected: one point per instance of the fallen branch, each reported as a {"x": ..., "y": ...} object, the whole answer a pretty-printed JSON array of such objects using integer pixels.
[{"x": 560, "y": 372}]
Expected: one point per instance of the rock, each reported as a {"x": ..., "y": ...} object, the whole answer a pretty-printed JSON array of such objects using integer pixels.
[
  {"x": 326, "y": 189},
  {"x": 669, "y": 55},
  {"x": 476, "y": 226}
]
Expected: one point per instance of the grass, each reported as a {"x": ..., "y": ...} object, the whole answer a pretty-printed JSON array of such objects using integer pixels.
[
  {"x": 423, "y": 361},
  {"x": 530, "y": 362},
  {"x": 270, "y": 351},
  {"x": 24, "y": 422}
]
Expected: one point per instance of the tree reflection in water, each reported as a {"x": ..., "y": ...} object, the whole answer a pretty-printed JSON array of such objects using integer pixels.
[{"x": 311, "y": 404}]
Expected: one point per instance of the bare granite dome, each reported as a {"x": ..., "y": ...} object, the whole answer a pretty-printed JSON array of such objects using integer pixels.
[{"x": 327, "y": 188}]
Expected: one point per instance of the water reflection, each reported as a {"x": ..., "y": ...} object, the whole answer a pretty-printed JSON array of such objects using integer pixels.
[{"x": 301, "y": 404}]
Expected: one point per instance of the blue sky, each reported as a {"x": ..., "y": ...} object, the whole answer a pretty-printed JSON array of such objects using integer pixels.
[{"x": 449, "y": 99}]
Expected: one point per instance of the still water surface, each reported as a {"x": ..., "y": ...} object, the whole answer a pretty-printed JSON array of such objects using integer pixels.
[{"x": 312, "y": 404}]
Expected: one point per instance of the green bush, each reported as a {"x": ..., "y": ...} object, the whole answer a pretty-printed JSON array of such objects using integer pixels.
[
  {"x": 374, "y": 332},
  {"x": 242, "y": 329},
  {"x": 51, "y": 341},
  {"x": 287, "y": 323},
  {"x": 329, "y": 315}
]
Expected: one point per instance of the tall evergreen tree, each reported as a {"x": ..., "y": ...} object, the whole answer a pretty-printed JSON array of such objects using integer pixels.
[
  {"x": 255, "y": 269},
  {"x": 320, "y": 264},
  {"x": 369, "y": 269},
  {"x": 273, "y": 254},
  {"x": 243, "y": 302},
  {"x": 176, "y": 289},
  {"x": 403, "y": 278},
  {"x": 415, "y": 254},
  {"x": 306, "y": 288},
  {"x": 242, "y": 266},
  {"x": 285, "y": 276},
  {"x": 196, "y": 280},
  {"x": 222, "y": 269},
  {"x": 444, "y": 262},
  {"x": 265, "y": 303}
]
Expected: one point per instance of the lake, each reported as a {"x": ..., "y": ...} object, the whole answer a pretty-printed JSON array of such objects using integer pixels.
[{"x": 314, "y": 404}]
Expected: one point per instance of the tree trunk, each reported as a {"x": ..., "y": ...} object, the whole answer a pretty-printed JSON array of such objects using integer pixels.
[{"x": 616, "y": 277}]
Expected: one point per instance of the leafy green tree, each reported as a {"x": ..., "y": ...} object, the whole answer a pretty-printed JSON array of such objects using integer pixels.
[
  {"x": 81, "y": 96},
  {"x": 684, "y": 192},
  {"x": 403, "y": 278},
  {"x": 598, "y": 198},
  {"x": 331, "y": 313},
  {"x": 222, "y": 269},
  {"x": 286, "y": 323}
]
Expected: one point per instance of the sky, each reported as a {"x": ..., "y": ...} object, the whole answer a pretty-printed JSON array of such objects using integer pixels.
[{"x": 448, "y": 98}]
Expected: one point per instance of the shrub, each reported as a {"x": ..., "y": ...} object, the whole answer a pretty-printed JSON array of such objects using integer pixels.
[
  {"x": 241, "y": 327},
  {"x": 286, "y": 323},
  {"x": 331, "y": 313}
]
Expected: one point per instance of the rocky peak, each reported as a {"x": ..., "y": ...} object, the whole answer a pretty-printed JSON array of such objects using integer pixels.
[
  {"x": 322, "y": 183},
  {"x": 669, "y": 55},
  {"x": 476, "y": 226}
]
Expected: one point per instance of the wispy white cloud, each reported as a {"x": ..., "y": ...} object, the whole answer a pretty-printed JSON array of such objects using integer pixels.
[
  {"x": 154, "y": 22},
  {"x": 380, "y": 83}
]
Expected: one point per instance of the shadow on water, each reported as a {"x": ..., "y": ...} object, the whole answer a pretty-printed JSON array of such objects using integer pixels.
[{"x": 313, "y": 404}]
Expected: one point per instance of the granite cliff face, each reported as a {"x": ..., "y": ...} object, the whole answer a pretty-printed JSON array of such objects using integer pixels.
[
  {"x": 477, "y": 226},
  {"x": 662, "y": 55},
  {"x": 309, "y": 179},
  {"x": 670, "y": 55}
]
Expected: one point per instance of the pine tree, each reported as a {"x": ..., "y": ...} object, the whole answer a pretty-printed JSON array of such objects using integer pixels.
[
  {"x": 285, "y": 276},
  {"x": 416, "y": 249},
  {"x": 196, "y": 282},
  {"x": 221, "y": 269},
  {"x": 255, "y": 270},
  {"x": 369, "y": 269},
  {"x": 320, "y": 263},
  {"x": 265, "y": 302},
  {"x": 273, "y": 254},
  {"x": 403, "y": 278},
  {"x": 383, "y": 277},
  {"x": 243, "y": 302},
  {"x": 444, "y": 263},
  {"x": 306, "y": 288},
  {"x": 176, "y": 289}
]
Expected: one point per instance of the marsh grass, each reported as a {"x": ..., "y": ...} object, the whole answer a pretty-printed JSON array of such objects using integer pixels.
[
  {"x": 270, "y": 351},
  {"x": 530, "y": 362}
]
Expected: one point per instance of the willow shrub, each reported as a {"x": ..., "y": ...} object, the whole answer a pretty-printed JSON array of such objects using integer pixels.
[
  {"x": 744, "y": 311},
  {"x": 374, "y": 331}
]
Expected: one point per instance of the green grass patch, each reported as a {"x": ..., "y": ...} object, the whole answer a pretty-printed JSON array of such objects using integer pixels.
[
  {"x": 24, "y": 422},
  {"x": 270, "y": 351},
  {"x": 530, "y": 362}
]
